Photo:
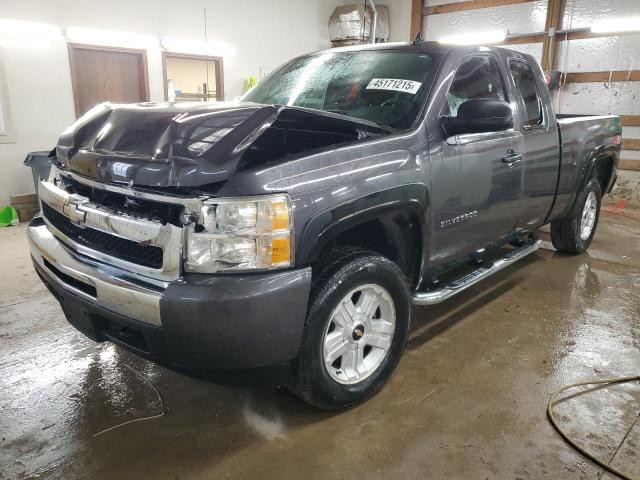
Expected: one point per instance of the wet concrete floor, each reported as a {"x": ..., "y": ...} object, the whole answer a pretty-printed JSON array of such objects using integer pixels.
[{"x": 467, "y": 401}]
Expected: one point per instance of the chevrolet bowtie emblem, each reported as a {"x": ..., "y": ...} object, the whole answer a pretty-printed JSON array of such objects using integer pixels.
[{"x": 71, "y": 210}]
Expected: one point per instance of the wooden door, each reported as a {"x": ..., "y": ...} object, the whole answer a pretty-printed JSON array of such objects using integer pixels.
[{"x": 100, "y": 74}]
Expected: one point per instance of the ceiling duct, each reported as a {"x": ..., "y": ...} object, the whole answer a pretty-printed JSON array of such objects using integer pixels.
[{"x": 352, "y": 24}]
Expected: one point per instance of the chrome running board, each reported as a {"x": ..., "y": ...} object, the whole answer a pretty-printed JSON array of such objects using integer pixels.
[{"x": 441, "y": 294}]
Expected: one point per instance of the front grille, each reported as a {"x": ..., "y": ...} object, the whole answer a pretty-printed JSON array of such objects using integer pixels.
[
  {"x": 127, "y": 250},
  {"x": 124, "y": 204}
]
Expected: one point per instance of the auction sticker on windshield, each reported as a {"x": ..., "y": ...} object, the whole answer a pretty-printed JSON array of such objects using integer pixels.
[{"x": 396, "y": 84}]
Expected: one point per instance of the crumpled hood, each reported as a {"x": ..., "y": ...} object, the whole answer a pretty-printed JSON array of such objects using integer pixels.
[
  {"x": 162, "y": 144},
  {"x": 193, "y": 145}
]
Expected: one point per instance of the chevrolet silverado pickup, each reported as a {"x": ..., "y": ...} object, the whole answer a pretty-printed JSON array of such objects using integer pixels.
[{"x": 290, "y": 233}]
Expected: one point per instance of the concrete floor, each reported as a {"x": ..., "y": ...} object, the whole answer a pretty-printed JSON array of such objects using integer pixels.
[{"x": 467, "y": 401}]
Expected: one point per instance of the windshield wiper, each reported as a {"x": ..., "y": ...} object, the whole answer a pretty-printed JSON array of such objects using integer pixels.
[
  {"x": 339, "y": 112},
  {"x": 361, "y": 120}
]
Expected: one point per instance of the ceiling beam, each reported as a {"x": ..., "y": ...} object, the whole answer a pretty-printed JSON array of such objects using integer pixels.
[
  {"x": 553, "y": 22},
  {"x": 519, "y": 39},
  {"x": 630, "y": 120},
  {"x": 629, "y": 164},
  {"x": 630, "y": 144},
  {"x": 469, "y": 5},
  {"x": 560, "y": 36},
  {"x": 416, "y": 18},
  {"x": 581, "y": 34},
  {"x": 613, "y": 76}
]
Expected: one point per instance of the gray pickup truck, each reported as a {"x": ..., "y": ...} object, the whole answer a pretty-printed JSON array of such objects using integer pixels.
[{"x": 289, "y": 234}]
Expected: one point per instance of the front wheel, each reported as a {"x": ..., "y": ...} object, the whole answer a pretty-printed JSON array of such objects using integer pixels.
[
  {"x": 356, "y": 328},
  {"x": 573, "y": 234}
]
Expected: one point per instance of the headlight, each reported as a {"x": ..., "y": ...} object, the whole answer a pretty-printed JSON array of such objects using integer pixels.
[{"x": 251, "y": 233}]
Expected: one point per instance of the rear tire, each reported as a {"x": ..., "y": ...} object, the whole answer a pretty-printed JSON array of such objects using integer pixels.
[
  {"x": 574, "y": 233},
  {"x": 355, "y": 332}
]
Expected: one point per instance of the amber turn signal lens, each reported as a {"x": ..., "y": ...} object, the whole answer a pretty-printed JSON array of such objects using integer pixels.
[
  {"x": 280, "y": 215},
  {"x": 280, "y": 251}
]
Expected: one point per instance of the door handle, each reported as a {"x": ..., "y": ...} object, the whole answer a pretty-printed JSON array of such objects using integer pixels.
[{"x": 511, "y": 158}]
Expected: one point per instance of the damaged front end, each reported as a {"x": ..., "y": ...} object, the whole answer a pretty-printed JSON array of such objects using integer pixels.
[
  {"x": 132, "y": 184},
  {"x": 181, "y": 146}
]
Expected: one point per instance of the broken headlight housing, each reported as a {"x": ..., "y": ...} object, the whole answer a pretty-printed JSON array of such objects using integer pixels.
[{"x": 246, "y": 233}]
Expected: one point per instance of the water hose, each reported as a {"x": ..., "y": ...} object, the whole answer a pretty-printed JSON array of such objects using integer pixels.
[{"x": 552, "y": 419}]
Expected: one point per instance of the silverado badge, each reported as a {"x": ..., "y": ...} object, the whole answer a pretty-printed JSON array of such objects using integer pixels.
[{"x": 459, "y": 219}]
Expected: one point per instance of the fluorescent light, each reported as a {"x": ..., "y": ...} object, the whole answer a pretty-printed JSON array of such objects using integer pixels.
[
  {"x": 25, "y": 43},
  {"x": 21, "y": 34},
  {"x": 630, "y": 24},
  {"x": 198, "y": 47},
  {"x": 112, "y": 38},
  {"x": 477, "y": 38},
  {"x": 18, "y": 29}
]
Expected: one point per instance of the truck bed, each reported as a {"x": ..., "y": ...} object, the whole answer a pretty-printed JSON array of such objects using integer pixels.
[{"x": 579, "y": 136}]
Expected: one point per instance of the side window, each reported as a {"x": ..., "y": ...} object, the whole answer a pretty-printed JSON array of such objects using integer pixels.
[
  {"x": 526, "y": 84},
  {"x": 476, "y": 78}
]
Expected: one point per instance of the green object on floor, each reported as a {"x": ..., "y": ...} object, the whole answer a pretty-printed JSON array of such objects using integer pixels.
[{"x": 8, "y": 216}]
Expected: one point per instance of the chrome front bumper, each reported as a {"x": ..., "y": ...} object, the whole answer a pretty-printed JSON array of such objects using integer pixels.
[
  {"x": 115, "y": 289},
  {"x": 202, "y": 323}
]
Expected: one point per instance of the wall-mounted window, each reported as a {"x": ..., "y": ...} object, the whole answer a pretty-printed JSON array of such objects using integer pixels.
[
  {"x": 6, "y": 127},
  {"x": 192, "y": 78}
]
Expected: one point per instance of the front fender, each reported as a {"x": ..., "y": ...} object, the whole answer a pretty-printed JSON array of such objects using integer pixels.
[{"x": 328, "y": 224}]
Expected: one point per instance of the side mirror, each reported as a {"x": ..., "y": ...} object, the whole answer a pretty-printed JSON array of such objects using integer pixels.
[{"x": 479, "y": 116}]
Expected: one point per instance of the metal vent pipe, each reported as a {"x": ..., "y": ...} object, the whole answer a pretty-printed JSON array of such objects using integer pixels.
[{"x": 375, "y": 21}]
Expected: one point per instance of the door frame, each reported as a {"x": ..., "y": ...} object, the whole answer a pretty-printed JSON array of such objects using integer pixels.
[
  {"x": 439, "y": 152},
  {"x": 219, "y": 69},
  {"x": 71, "y": 47}
]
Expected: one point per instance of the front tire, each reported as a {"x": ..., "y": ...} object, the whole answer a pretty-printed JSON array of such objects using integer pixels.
[
  {"x": 355, "y": 332},
  {"x": 574, "y": 233}
]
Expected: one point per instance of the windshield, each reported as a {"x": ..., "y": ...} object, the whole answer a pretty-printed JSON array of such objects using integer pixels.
[{"x": 383, "y": 86}]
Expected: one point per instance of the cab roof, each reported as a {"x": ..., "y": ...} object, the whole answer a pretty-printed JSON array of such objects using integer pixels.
[{"x": 427, "y": 46}]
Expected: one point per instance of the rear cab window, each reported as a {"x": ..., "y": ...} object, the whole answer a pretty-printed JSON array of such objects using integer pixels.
[{"x": 526, "y": 87}]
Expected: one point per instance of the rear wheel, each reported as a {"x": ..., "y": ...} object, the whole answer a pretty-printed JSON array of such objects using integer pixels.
[
  {"x": 574, "y": 233},
  {"x": 356, "y": 328}
]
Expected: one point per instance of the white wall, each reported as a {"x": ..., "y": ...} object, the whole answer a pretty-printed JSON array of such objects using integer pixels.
[
  {"x": 263, "y": 34},
  {"x": 399, "y": 20},
  {"x": 41, "y": 102}
]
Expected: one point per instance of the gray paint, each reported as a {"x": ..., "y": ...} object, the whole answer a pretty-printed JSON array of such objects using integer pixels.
[
  {"x": 465, "y": 195},
  {"x": 463, "y": 179},
  {"x": 252, "y": 321}
]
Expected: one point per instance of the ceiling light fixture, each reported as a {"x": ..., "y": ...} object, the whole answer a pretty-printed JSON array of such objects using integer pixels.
[
  {"x": 198, "y": 47},
  {"x": 112, "y": 38},
  {"x": 631, "y": 24},
  {"x": 30, "y": 30},
  {"x": 22, "y": 34}
]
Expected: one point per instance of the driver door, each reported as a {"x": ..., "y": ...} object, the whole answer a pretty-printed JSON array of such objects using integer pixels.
[{"x": 477, "y": 184}]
